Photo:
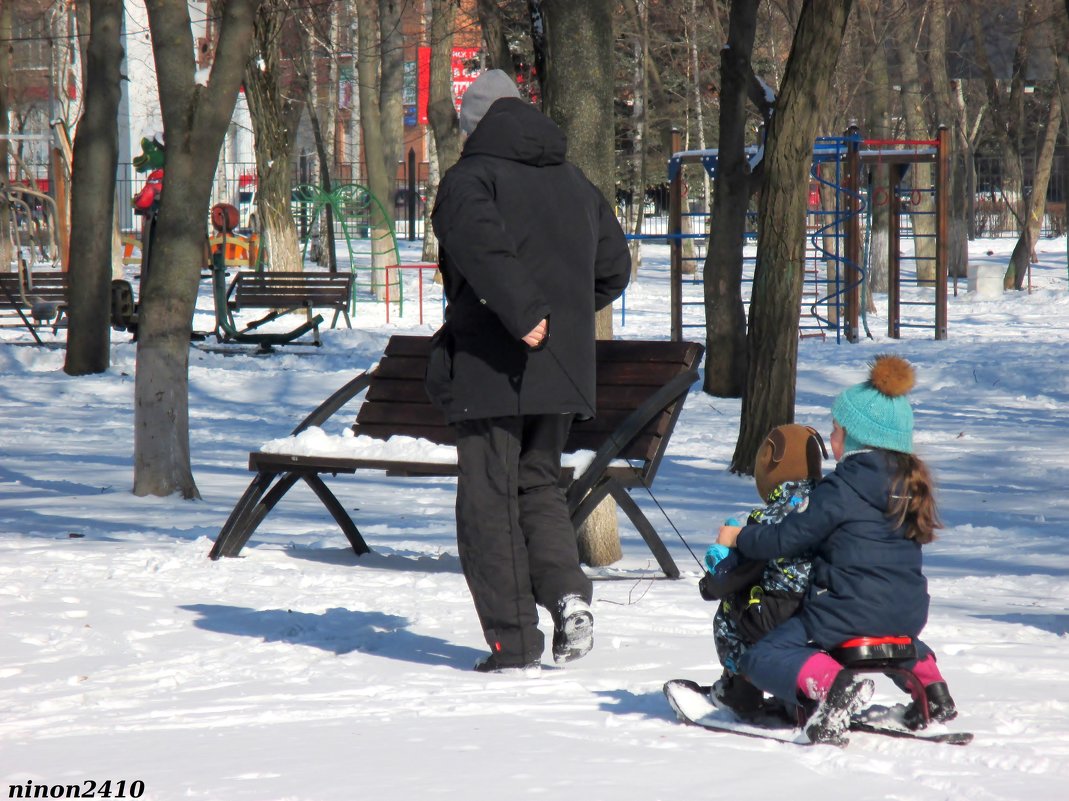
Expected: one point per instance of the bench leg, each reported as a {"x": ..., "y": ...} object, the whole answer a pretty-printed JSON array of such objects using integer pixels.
[
  {"x": 610, "y": 486},
  {"x": 338, "y": 512},
  {"x": 236, "y": 531},
  {"x": 587, "y": 504},
  {"x": 343, "y": 313}
]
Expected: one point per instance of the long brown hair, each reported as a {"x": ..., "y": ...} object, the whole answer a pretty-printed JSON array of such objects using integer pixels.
[{"x": 912, "y": 502}]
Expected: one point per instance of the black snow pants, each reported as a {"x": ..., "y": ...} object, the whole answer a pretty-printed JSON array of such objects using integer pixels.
[{"x": 517, "y": 545}]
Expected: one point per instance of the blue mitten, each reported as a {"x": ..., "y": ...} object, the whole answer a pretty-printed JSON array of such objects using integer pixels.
[{"x": 715, "y": 555}]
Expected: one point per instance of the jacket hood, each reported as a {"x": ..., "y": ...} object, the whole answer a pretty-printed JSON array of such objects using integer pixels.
[
  {"x": 514, "y": 129},
  {"x": 868, "y": 473}
]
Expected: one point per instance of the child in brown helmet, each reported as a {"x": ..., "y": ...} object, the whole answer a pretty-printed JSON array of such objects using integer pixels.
[{"x": 757, "y": 596}]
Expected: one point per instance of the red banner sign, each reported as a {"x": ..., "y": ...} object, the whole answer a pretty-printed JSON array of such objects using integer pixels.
[{"x": 465, "y": 70}]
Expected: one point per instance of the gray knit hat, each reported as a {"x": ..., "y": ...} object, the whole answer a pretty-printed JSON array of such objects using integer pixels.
[{"x": 491, "y": 85}]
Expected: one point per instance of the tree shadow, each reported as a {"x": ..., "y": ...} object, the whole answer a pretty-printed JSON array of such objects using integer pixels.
[{"x": 339, "y": 631}]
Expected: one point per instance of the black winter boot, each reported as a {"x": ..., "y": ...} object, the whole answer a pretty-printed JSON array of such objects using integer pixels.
[
  {"x": 940, "y": 707},
  {"x": 848, "y": 694},
  {"x": 738, "y": 695},
  {"x": 496, "y": 664},
  {"x": 748, "y": 703}
]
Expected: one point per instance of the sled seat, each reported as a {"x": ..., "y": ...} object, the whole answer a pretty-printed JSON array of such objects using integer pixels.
[{"x": 892, "y": 656}]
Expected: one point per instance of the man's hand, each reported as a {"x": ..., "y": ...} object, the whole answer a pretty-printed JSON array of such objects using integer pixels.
[{"x": 537, "y": 334}]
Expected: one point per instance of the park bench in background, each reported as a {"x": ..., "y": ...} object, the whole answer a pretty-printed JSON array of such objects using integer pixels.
[
  {"x": 279, "y": 293},
  {"x": 38, "y": 297},
  {"x": 641, "y": 389}
]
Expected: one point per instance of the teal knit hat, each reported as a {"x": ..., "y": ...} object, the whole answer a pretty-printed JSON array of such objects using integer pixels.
[{"x": 876, "y": 413}]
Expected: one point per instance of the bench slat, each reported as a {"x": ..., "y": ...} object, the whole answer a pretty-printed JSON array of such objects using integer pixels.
[
  {"x": 613, "y": 372},
  {"x": 403, "y": 417},
  {"x": 608, "y": 350},
  {"x": 411, "y": 390}
]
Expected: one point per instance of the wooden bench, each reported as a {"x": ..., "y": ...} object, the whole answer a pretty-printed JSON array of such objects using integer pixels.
[
  {"x": 641, "y": 389},
  {"x": 40, "y": 294},
  {"x": 280, "y": 293}
]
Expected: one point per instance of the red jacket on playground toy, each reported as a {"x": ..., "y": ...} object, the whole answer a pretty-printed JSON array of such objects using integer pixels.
[
  {"x": 152, "y": 160},
  {"x": 150, "y": 193}
]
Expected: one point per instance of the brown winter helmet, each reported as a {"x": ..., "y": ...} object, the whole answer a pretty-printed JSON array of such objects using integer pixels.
[{"x": 790, "y": 452}]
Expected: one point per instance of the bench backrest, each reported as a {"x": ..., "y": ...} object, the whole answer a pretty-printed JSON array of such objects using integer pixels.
[
  {"x": 49, "y": 287},
  {"x": 271, "y": 289},
  {"x": 628, "y": 374}
]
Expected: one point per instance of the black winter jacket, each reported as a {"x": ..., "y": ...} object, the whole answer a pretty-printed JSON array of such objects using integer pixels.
[
  {"x": 866, "y": 578},
  {"x": 522, "y": 235}
]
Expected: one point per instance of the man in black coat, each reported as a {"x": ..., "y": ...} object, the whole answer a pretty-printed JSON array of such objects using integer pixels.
[{"x": 529, "y": 250}]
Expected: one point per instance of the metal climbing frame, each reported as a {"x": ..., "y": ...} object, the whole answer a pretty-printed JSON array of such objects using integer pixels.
[
  {"x": 361, "y": 217},
  {"x": 836, "y": 235},
  {"x": 899, "y": 155}
]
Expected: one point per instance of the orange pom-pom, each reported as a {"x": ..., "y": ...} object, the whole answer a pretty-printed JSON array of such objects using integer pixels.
[{"x": 892, "y": 375}]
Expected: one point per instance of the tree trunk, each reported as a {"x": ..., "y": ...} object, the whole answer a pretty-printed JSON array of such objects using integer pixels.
[
  {"x": 1020, "y": 260},
  {"x": 371, "y": 66},
  {"x": 495, "y": 43},
  {"x": 772, "y": 341},
  {"x": 1006, "y": 110},
  {"x": 947, "y": 109},
  {"x": 96, "y": 150},
  {"x": 878, "y": 126},
  {"x": 441, "y": 112},
  {"x": 640, "y": 133},
  {"x": 725, "y": 318},
  {"x": 326, "y": 184},
  {"x": 921, "y": 203},
  {"x": 326, "y": 134},
  {"x": 195, "y": 119},
  {"x": 696, "y": 96},
  {"x": 578, "y": 95},
  {"x": 275, "y": 112},
  {"x": 5, "y": 128}
]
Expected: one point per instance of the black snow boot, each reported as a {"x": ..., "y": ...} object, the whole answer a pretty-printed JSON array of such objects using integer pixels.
[
  {"x": 748, "y": 703},
  {"x": 847, "y": 696},
  {"x": 940, "y": 707},
  {"x": 494, "y": 663},
  {"x": 738, "y": 695}
]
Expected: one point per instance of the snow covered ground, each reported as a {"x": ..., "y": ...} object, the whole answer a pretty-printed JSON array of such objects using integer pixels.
[{"x": 299, "y": 671}]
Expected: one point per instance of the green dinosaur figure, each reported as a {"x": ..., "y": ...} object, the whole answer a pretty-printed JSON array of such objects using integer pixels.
[{"x": 152, "y": 155}]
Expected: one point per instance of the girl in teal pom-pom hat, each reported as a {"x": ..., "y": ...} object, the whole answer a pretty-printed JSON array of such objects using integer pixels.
[{"x": 865, "y": 525}]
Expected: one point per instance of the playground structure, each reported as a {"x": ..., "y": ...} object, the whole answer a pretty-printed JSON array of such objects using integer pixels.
[
  {"x": 36, "y": 245},
  {"x": 37, "y": 228},
  {"x": 844, "y": 170},
  {"x": 370, "y": 238}
]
